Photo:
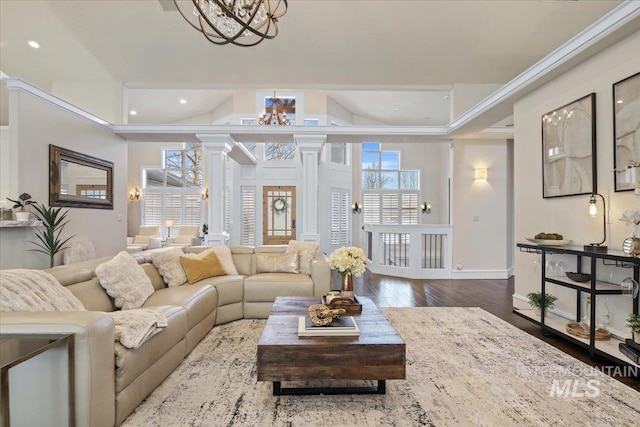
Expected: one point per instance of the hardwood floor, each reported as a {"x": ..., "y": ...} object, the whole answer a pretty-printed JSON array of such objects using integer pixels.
[{"x": 494, "y": 296}]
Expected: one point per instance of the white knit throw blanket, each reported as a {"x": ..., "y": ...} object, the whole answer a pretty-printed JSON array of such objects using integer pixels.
[
  {"x": 134, "y": 327},
  {"x": 36, "y": 290}
]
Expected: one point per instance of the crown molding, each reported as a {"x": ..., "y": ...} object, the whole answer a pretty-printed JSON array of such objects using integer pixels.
[{"x": 607, "y": 26}]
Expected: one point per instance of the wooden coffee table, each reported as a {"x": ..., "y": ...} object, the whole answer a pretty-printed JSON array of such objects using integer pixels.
[{"x": 377, "y": 354}]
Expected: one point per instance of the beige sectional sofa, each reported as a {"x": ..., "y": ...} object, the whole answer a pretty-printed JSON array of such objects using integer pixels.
[{"x": 108, "y": 387}]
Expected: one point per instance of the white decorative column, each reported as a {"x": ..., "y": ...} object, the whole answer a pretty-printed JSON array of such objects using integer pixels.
[
  {"x": 217, "y": 147},
  {"x": 310, "y": 147}
]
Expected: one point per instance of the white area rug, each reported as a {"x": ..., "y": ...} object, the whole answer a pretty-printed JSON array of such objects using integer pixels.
[{"x": 464, "y": 367}]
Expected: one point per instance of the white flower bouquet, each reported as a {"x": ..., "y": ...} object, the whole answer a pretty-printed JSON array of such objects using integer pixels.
[
  {"x": 631, "y": 217},
  {"x": 348, "y": 260}
]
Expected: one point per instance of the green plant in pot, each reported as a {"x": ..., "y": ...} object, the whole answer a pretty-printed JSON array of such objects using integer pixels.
[
  {"x": 535, "y": 300},
  {"x": 20, "y": 206},
  {"x": 633, "y": 322},
  {"x": 49, "y": 240}
]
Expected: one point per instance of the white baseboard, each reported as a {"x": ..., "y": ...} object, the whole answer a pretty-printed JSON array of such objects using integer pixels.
[{"x": 480, "y": 274}]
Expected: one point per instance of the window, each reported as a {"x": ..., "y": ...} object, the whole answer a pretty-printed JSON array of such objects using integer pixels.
[
  {"x": 339, "y": 218},
  {"x": 339, "y": 153},
  {"x": 173, "y": 192},
  {"x": 390, "y": 195},
  {"x": 248, "y": 227}
]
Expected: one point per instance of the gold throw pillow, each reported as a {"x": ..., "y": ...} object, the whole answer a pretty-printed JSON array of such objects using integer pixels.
[{"x": 197, "y": 269}]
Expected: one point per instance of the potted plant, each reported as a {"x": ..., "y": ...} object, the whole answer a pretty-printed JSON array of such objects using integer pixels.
[
  {"x": 24, "y": 200},
  {"x": 49, "y": 240},
  {"x": 535, "y": 300},
  {"x": 633, "y": 322}
]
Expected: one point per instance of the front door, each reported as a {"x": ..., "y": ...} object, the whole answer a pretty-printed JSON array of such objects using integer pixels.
[{"x": 279, "y": 215}]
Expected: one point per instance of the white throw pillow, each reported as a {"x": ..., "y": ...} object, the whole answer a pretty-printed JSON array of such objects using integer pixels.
[
  {"x": 306, "y": 252},
  {"x": 125, "y": 281},
  {"x": 35, "y": 290},
  {"x": 287, "y": 262},
  {"x": 169, "y": 266},
  {"x": 226, "y": 260}
]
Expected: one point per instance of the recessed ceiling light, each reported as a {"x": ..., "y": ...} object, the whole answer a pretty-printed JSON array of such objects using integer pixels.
[
  {"x": 446, "y": 97},
  {"x": 620, "y": 101},
  {"x": 183, "y": 101},
  {"x": 396, "y": 109},
  {"x": 34, "y": 44},
  {"x": 133, "y": 112}
]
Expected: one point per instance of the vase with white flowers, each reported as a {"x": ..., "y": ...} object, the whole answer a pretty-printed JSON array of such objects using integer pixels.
[{"x": 348, "y": 262}]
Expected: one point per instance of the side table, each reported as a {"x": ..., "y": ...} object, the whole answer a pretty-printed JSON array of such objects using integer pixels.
[{"x": 37, "y": 380}]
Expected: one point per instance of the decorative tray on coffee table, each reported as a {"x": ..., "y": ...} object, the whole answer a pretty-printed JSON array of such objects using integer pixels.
[{"x": 351, "y": 306}]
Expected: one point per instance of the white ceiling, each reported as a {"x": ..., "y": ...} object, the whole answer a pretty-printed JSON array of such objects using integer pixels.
[{"x": 372, "y": 57}]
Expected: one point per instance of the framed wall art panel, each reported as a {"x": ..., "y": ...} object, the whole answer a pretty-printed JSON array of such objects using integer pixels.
[
  {"x": 569, "y": 149},
  {"x": 626, "y": 133}
]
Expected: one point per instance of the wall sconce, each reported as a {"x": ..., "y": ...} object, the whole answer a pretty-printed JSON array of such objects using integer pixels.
[
  {"x": 480, "y": 174},
  {"x": 593, "y": 211},
  {"x": 134, "y": 194},
  {"x": 169, "y": 224},
  {"x": 425, "y": 208},
  {"x": 205, "y": 193},
  {"x": 356, "y": 208}
]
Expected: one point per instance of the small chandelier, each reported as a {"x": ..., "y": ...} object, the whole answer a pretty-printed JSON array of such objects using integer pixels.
[
  {"x": 278, "y": 113},
  {"x": 239, "y": 22}
]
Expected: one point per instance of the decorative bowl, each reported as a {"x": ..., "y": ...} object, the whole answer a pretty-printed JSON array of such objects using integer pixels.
[{"x": 578, "y": 277}]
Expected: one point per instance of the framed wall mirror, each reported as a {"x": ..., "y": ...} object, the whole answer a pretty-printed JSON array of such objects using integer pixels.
[{"x": 78, "y": 180}]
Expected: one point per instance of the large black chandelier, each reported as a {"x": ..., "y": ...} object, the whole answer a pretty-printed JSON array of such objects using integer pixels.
[
  {"x": 239, "y": 22},
  {"x": 277, "y": 114}
]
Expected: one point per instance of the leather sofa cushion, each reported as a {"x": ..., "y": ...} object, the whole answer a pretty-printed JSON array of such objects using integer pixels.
[
  {"x": 268, "y": 286},
  {"x": 92, "y": 295},
  {"x": 230, "y": 288},
  {"x": 131, "y": 363},
  {"x": 198, "y": 301}
]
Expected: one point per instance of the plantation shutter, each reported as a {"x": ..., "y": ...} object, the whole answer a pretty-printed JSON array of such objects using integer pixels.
[
  {"x": 371, "y": 208},
  {"x": 192, "y": 209},
  {"x": 409, "y": 208},
  {"x": 248, "y": 228},
  {"x": 390, "y": 214},
  {"x": 152, "y": 208},
  {"x": 339, "y": 218}
]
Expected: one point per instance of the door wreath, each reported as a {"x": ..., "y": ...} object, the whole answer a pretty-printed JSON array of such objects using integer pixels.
[{"x": 279, "y": 205}]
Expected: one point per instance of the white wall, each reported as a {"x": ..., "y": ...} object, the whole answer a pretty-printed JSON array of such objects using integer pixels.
[
  {"x": 567, "y": 215},
  {"x": 100, "y": 97},
  {"x": 34, "y": 125},
  {"x": 480, "y": 209}
]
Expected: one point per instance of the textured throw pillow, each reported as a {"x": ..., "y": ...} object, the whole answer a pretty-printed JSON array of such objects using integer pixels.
[
  {"x": 125, "y": 281},
  {"x": 226, "y": 260},
  {"x": 277, "y": 263},
  {"x": 169, "y": 266},
  {"x": 306, "y": 252},
  {"x": 35, "y": 290},
  {"x": 197, "y": 269}
]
